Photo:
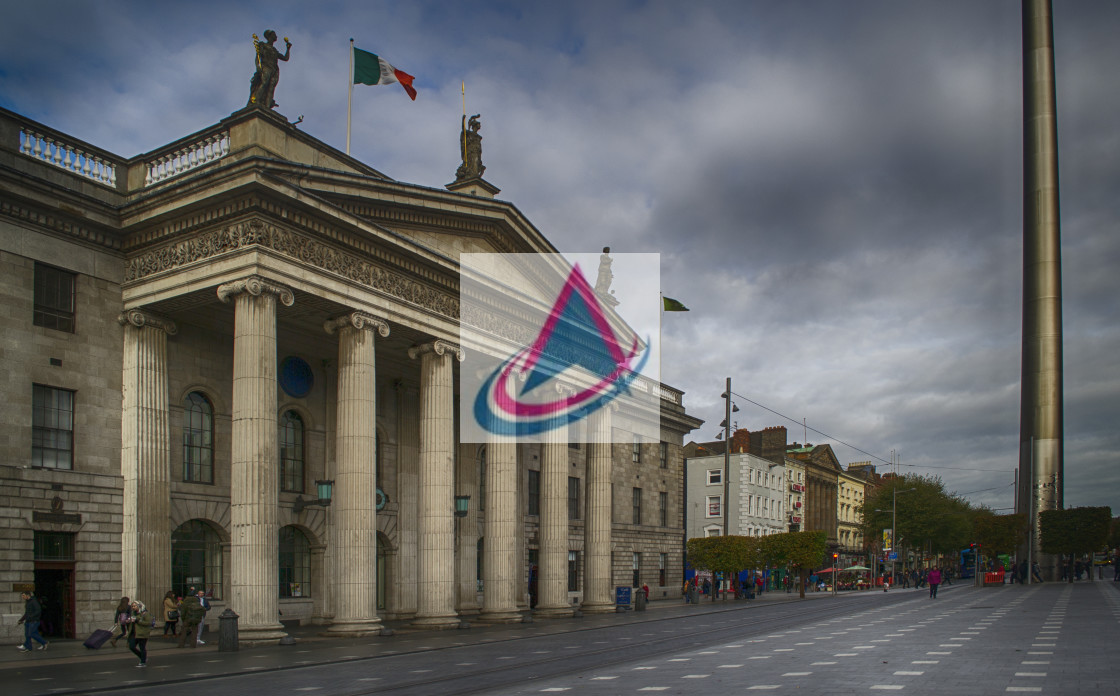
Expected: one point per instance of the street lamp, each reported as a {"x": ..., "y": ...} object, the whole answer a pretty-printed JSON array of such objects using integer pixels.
[{"x": 323, "y": 489}]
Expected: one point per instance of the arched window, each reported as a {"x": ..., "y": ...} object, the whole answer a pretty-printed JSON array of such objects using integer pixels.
[
  {"x": 295, "y": 563},
  {"x": 198, "y": 439},
  {"x": 291, "y": 452},
  {"x": 196, "y": 559}
]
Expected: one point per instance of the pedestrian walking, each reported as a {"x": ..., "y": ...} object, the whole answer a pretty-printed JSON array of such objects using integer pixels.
[
  {"x": 1036, "y": 572},
  {"x": 190, "y": 613},
  {"x": 933, "y": 577},
  {"x": 205, "y": 604},
  {"x": 120, "y": 619},
  {"x": 170, "y": 613},
  {"x": 139, "y": 630},
  {"x": 32, "y": 616}
]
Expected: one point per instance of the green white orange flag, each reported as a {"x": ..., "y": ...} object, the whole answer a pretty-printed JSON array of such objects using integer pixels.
[{"x": 370, "y": 69}]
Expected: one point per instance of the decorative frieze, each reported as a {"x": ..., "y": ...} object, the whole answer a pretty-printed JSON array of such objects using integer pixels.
[{"x": 298, "y": 247}]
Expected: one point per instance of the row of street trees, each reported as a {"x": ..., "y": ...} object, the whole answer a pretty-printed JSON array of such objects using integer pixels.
[
  {"x": 927, "y": 519},
  {"x": 731, "y": 555}
]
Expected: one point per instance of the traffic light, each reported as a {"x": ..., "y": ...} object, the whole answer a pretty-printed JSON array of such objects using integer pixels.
[{"x": 835, "y": 556}]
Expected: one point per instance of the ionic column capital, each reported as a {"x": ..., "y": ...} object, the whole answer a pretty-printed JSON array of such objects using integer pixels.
[
  {"x": 358, "y": 320},
  {"x": 255, "y": 285},
  {"x": 140, "y": 318},
  {"x": 439, "y": 347}
]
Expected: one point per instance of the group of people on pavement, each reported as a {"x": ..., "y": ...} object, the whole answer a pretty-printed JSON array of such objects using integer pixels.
[{"x": 132, "y": 620}]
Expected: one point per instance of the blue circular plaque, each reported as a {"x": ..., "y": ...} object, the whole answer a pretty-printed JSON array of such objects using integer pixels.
[{"x": 296, "y": 377}]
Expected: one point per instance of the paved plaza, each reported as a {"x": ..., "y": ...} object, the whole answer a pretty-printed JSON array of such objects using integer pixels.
[{"x": 1049, "y": 639}]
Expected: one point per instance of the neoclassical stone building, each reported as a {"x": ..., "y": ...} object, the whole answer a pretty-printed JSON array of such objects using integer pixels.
[{"x": 196, "y": 336}]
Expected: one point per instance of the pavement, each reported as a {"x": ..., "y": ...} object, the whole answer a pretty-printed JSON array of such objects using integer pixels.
[{"x": 1022, "y": 621}]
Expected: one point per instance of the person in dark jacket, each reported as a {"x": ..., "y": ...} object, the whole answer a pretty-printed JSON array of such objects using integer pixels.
[
  {"x": 120, "y": 619},
  {"x": 32, "y": 615},
  {"x": 139, "y": 631},
  {"x": 190, "y": 613}
]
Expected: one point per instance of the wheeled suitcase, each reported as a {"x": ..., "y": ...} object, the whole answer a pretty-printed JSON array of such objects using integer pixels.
[{"x": 97, "y": 639}]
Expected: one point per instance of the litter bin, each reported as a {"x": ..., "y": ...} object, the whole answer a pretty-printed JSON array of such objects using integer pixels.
[
  {"x": 227, "y": 631},
  {"x": 639, "y": 600}
]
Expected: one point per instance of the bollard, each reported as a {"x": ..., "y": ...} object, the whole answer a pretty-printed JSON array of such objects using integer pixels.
[{"x": 227, "y": 631}]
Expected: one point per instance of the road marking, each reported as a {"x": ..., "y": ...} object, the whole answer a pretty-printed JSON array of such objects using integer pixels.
[
  {"x": 1030, "y": 674},
  {"x": 796, "y": 674},
  {"x": 764, "y": 686},
  {"x": 645, "y": 667},
  {"x": 1024, "y": 688},
  {"x": 925, "y": 662},
  {"x": 759, "y": 657},
  {"x": 888, "y": 687},
  {"x": 696, "y": 676},
  {"x": 783, "y": 649},
  {"x": 949, "y": 645},
  {"x": 654, "y": 688},
  {"x": 803, "y": 643},
  {"x": 679, "y": 659},
  {"x": 309, "y": 688},
  {"x": 1040, "y": 652},
  {"x": 602, "y": 678},
  {"x": 936, "y": 652},
  {"x": 1043, "y": 645},
  {"x": 1035, "y": 662},
  {"x": 557, "y": 688},
  {"x": 811, "y": 664},
  {"x": 862, "y": 647},
  {"x": 729, "y": 666},
  {"x": 845, "y": 654},
  {"x": 909, "y": 674}
]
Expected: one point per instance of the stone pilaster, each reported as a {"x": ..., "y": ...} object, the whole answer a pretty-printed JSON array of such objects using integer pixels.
[
  {"x": 501, "y": 571},
  {"x": 353, "y": 510},
  {"x": 254, "y": 464},
  {"x": 597, "y": 544},
  {"x": 466, "y": 532},
  {"x": 145, "y": 458},
  {"x": 407, "y": 496},
  {"x": 435, "y": 558},
  {"x": 552, "y": 580}
]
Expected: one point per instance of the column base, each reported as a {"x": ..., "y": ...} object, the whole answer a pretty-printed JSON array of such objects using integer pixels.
[
  {"x": 359, "y": 628},
  {"x": 436, "y": 622},
  {"x": 560, "y": 612},
  {"x": 500, "y": 617},
  {"x": 597, "y": 607},
  {"x": 268, "y": 634}
]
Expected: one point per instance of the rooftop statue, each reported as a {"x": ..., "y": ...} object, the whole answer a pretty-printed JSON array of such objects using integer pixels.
[
  {"x": 470, "y": 148},
  {"x": 263, "y": 85}
]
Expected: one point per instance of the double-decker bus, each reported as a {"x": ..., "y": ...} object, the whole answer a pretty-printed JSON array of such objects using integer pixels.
[{"x": 968, "y": 563}]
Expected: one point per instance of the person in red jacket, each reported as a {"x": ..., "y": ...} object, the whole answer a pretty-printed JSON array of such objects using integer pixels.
[{"x": 934, "y": 579}]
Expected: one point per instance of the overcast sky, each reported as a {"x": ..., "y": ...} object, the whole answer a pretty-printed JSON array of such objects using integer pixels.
[{"x": 835, "y": 188}]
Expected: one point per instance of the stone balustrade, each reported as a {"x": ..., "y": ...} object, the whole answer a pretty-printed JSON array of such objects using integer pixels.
[
  {"x": 209, "y": 149},
  {"x": 51, "y": 148}
]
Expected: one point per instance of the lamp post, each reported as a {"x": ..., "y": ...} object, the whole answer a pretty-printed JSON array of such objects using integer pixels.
[{"x": 894, "y": 521}]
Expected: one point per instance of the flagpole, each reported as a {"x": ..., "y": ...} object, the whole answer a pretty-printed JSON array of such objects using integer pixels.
[
  {"x": 349, "y": 95},
  {"x": 463, "y": 135}
]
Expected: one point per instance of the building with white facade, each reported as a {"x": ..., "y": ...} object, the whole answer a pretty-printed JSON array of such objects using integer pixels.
[{"x": 755, "y": 495}]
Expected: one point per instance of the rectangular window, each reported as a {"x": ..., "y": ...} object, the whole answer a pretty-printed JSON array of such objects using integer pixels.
[
  {"x": 663, "y": 454},
  {"x": 715, "y": 477},
  {"x": 573, "y": 571},
  {"x": 715, "y": 505},
  {"x": 663, "y": 508},
  {"x": 636, "y": 454},
  {"x": 534, "y": 492},
  {"x": 52, "y": 427},
  {"x": 53, "y": 546},
  {"x": 54, "y": 298},
  {"x": 662, "y": 569},
  {"x": 573, "y": 498},
  {"x": 635, "y": 566},
  {"x": 637, "y": 500}
]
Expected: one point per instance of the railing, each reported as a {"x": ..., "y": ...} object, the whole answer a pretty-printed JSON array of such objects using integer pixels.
[
  {"x": 210, "y": 149},
  {"x": 76, "y": 159}
]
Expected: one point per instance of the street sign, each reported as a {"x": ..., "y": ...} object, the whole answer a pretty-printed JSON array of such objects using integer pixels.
[
  {"x": 622, "y": 596},
  {"x": 893, "y": 556}
]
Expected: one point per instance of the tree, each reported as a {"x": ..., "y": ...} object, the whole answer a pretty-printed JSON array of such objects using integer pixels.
[
  {"x": 801, "y": 550},
  {"x": 999, "y": 533},
  {"x": 1074, "y": 532},
  {"x": 928, "y": 517},
  {"x": 723, "y": 554}
]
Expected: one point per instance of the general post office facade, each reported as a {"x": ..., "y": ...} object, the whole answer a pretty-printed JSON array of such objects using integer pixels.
[{"x": 195, "y": 337}]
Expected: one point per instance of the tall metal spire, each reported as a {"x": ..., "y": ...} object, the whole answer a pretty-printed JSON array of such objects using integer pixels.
[{"x": 1041, "y": 428}]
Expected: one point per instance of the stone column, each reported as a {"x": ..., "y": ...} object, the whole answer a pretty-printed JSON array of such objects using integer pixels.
[
  {"x": 466, "y": 532},
  {"x": 353, "y": 508},
  {"x": 501, "y": 571},
  {"x": 145, "y": 458},
  {"x": 597, "y": 548},
  {"x": 254, "y": 465},
  {"x": 552, "y": 580},
  {"x": 435, "y": 529},
  {"x": 408, "y": 484}
]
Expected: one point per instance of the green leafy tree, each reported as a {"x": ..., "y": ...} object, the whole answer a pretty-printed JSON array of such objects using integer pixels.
[
  {"x": 1074, "y": 532},
  {"x": 999, "y": 533},
  {"x": 928, "y": 517},
  {"x": 723, "y": 554},
  {"x": 798, "y": 550},
  {"x": 1114, "y": 537}
]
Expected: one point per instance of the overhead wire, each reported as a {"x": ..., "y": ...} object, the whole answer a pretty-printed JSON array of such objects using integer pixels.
[{"x": 857, "y": 449}]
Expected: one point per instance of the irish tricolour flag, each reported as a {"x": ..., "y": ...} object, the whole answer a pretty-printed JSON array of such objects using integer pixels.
[{"x": 373, "y": 70}]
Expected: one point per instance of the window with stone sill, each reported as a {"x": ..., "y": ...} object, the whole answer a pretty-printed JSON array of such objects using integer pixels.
[
  {"x": 198, "y": 439},
  {"x": 291, "y": 453},
  {"x": 54, "y": 298},
  {"x": 52, "y": 427}
]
